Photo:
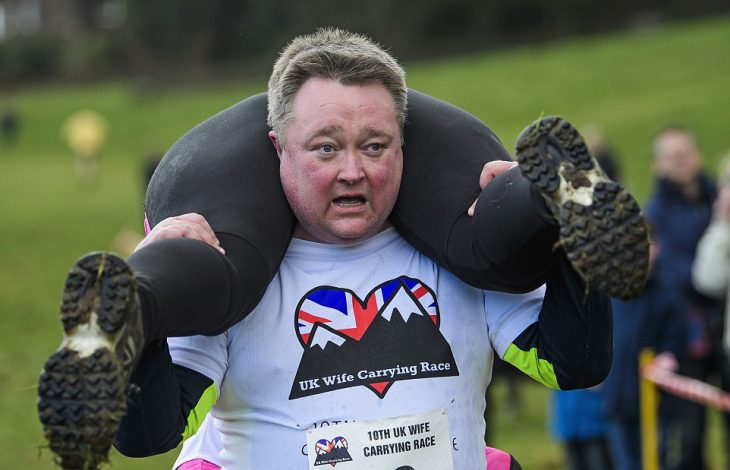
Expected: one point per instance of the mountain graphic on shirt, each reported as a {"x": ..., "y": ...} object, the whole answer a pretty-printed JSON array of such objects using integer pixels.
[
  {"x": 324, "y": 336},
  {"x": 403, "y": 342}
]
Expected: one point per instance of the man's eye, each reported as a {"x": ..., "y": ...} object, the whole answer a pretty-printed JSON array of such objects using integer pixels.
[
  {"x": 327, "y": 148},
  {"x": 376, "y": 147}
]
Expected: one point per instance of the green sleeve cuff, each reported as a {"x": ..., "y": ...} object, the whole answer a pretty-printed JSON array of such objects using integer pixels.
[
  {"x": 532, "y": 365},
  {"x": 197, "y": 414}
]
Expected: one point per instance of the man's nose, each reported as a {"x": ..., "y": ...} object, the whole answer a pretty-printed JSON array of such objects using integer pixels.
[{"x": 351, "y": 169}]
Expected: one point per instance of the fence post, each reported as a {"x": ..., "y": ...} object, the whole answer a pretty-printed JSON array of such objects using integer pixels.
[{"x": 649, "y": 401}]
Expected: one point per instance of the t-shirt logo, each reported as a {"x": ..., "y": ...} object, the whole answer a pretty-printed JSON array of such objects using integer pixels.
[{"x": 392, "y": 335}]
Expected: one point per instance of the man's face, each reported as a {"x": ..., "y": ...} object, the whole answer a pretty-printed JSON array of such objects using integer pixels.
[
  {"x": 341, "y": 162},
  {"x": 676, "y": 157}
]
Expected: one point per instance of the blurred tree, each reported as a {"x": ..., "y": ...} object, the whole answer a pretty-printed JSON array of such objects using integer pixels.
[
  {"x": 157, "y": 35},
  {"x": 170, "y": 29}
]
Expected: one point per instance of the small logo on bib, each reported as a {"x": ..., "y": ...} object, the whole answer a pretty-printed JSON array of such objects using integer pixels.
[{"x": 332, "y": 452}]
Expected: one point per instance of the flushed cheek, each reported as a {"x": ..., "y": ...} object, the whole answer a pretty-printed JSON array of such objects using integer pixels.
[
  {"x": 317, "y": 182},
  {"x": 386, "y": 182},
  {"x": 306, "y": 186}
]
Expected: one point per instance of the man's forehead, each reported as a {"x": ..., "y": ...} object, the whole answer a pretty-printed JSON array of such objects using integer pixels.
[
  {"x": 329, "y": 108},
  {"x": 321, "y": 94}
]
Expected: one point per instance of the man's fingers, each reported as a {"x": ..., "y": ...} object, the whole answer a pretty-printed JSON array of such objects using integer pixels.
[
  {"x": 493, "y": 169},
  {"x": 490, "y": 171},
  {"x": 193, "y": 226},
  {"x": 198, "y": 220},
  {"x": 197, "y": 232}
]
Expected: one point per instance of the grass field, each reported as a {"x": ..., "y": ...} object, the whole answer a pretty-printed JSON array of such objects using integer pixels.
[{"x": 628, "y": 83}]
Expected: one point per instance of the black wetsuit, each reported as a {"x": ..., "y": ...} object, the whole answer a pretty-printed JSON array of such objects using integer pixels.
[{"x": 227, "y": 170}]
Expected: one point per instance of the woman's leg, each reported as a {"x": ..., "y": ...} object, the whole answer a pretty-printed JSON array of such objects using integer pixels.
[
  {"x": 558, "y": 197},
  {"x": 226, "y": 170},
  {"x": 508, "y": 244}
]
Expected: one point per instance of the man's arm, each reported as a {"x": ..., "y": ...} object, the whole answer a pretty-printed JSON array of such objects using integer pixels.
[{"x": 570, "y": 344}]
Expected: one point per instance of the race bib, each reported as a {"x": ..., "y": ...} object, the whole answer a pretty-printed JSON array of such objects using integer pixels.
[{"x": 415, "y": 442}]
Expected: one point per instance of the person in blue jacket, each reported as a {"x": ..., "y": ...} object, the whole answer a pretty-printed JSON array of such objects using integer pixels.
[
  {"x": 579, "y": 423},
  {"x": 680, "y": 210},
  {"x": 653, "y": 320}
]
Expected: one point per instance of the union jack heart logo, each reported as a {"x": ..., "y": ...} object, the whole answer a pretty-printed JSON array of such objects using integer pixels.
[
  {"x": 343, "y": 311},
  {"x": 374, "y": 341}
]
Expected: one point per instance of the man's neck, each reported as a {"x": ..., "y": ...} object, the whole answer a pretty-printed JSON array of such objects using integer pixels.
[{"x": 303, "y": 234}]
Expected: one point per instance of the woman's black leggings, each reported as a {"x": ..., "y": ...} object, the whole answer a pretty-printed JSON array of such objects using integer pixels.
[{"x": 227, "y": 170}]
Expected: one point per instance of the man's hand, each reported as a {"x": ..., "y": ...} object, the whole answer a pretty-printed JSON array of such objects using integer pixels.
[
  {"x": 183, "y": 226},
  {"x": 490, "y": 171}
]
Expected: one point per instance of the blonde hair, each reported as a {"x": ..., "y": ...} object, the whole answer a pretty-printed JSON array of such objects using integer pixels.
[{"x": 335, "y": 54}]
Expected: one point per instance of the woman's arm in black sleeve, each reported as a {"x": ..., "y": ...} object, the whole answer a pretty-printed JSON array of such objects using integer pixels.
[
  {"x": 570, "y": 346},
  {"x": 166, "y": 404}
]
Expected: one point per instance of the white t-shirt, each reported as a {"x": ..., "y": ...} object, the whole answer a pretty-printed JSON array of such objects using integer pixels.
[{"x": 353, "y": 333}]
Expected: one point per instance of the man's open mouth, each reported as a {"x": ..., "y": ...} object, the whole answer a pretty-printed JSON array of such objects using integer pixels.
[{"x": 349, "y": 201}]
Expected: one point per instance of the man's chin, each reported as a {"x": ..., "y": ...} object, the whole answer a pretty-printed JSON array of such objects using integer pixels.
[
  {"x": 351, "y": 238},
  {"x": 353, "y": 235},
  {"x": 348, "y": 232}
]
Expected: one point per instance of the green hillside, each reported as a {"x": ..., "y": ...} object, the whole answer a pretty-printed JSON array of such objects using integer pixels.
[{"x": 628, "y": 84}]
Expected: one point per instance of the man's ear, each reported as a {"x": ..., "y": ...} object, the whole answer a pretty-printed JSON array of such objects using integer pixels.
[{"x": 275, "y": 140}]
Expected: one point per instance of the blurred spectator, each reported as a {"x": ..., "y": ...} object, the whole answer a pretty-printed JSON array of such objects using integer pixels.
[
  {"x": 680, "y": 210},
  {"x": 711, "y": 270},
  {"x": 85, "y": 133},
  {"x": 599, "y": 148},
  {"x": 580, "y": 425},
  {"x": 9, "y": 125},
  {"x": 711, "y": 275},
  {"x": 652, "y": 320}
]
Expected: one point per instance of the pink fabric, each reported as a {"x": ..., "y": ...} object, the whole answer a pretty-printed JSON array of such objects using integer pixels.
[
  {"x": 146, "y": 225},
  {"x": 198, "y": 464},
  {"x": 497, "y": 459}
]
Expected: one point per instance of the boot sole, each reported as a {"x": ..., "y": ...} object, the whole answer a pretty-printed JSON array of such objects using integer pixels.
[
  {"x": 602, "y": 229},
  {"x": 82, "y": 388}
]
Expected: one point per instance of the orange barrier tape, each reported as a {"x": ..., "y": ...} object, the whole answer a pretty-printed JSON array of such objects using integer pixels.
[{"x": 685, "y": 387}]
